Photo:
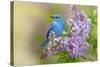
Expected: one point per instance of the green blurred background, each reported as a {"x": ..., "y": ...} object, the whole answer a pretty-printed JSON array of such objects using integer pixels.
[{"x": 31, "y": 21}]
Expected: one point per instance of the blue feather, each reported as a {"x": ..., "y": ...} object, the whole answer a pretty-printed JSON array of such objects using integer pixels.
[
  {"x": 43, "y": 44},
  {"x": 49, "y": 30},
  {"x": 57, "y": 26}
]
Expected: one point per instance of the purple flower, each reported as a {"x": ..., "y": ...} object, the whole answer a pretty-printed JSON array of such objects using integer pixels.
[
  {"x": 75, "y": 41},
  {"x": 74, "y": 30}
]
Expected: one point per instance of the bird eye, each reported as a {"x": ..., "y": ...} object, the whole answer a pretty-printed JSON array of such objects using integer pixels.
[{"x": 56, "y": 17}]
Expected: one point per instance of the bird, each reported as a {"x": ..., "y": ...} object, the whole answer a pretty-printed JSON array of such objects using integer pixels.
[{"x": 57, "y": 26}]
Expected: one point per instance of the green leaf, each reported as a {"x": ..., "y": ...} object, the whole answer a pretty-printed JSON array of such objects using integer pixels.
[{"x": 60, "y": 53}]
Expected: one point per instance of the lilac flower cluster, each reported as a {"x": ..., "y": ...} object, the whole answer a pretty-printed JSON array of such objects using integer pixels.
[
  {"x": 75, "y": 41},
  {"x": 79, "y": 30}
]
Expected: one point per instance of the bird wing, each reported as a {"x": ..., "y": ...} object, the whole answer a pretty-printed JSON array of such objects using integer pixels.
[{"x": 49, "y": 30}]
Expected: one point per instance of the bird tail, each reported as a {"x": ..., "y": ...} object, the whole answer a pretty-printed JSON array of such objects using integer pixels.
[{"x": 43, "y": 44}]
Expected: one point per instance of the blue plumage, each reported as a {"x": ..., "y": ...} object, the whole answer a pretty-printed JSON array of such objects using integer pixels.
[{"x": 57, "y": 26}]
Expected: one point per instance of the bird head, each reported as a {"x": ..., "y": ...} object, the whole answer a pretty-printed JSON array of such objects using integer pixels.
[{"x": 56, "y": 17}]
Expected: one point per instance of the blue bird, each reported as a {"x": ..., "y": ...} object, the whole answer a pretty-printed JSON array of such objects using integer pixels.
[{"x": 56, "y": 26}]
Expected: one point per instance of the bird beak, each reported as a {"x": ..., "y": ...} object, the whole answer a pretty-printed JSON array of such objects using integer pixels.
[{"x": 52, "y": 17}]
